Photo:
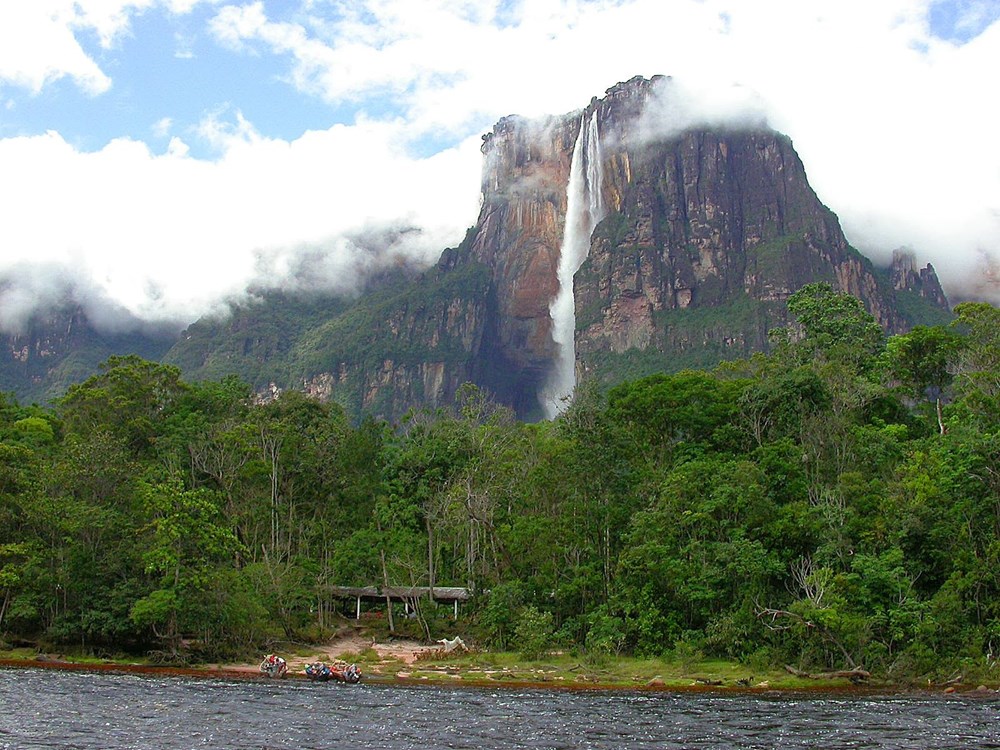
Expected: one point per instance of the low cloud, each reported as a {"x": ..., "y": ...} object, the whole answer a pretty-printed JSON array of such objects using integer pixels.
[
  {"x": 30, "y": 289},
  {"x": 177, "y": 234},
  {"x": 343, "y": 265},
  {"x": 675, "y": 106},
  {"x": 891, "y": 117}
]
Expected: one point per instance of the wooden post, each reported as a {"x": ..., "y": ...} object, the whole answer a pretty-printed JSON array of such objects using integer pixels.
[
  {"x": 358, "y": 615},
  {"x": 456, "y": 609}
]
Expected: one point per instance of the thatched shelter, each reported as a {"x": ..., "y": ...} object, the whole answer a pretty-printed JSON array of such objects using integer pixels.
[{"x": 405, "y": 594}]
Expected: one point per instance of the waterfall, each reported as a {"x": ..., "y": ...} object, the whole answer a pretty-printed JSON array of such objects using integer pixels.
[{"x": 584, "y": 209}]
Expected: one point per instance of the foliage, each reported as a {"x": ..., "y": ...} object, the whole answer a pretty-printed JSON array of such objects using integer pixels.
[
  {"x": 533, "y": 632},
  {"x": 832, "y": 504},
  {"x": 835, "y": 324}
]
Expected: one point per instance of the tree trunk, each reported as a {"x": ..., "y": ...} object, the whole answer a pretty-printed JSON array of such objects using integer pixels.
[
  {"x": 3, "y": 607},
  {"x": 415, "y": 606},
  {"x": 385, "y": 577},
  {"x": 430, "y": 558}
]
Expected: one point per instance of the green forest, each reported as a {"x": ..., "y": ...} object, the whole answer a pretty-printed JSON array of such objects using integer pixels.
[{"x": 834, "y": 503}]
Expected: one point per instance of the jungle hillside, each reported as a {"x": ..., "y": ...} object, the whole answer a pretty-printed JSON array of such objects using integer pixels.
[{"x": 833, "y": 504}]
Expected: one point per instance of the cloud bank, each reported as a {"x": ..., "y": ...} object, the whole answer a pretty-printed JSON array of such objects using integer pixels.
[
  {"x": 889, "y": 104},
  {"x": 169, "y": 236}
]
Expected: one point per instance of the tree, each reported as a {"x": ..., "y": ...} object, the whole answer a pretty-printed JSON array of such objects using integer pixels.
[
  {"x": 835, "y": 324},
  {"x": 185, "y": 541},
  {"x": 131, "y": 398},
  {"x": 921, "y": 361},
  {"x": 86, "y": 516},
  {"x": 977, "y": 372}
]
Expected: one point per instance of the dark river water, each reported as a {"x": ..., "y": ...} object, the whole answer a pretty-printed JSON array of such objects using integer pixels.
[{"x": 52, "y": 709}]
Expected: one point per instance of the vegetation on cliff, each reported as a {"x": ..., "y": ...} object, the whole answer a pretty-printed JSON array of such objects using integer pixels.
[{"x": 833, "y": 504}]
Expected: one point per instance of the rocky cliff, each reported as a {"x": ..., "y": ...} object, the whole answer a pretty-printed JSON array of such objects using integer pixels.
[
  {"x": 704, "y": 235},
  {"x": 905, "y": 276},
  {"x": 699, "y": 235},
  {"x": 60, "y": 346},
  {"x": 410, "y": 346}
]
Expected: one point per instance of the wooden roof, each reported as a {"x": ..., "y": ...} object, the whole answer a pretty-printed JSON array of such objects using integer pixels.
[{"x": 400, "y": 593}]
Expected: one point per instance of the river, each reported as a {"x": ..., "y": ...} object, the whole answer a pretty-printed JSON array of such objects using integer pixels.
[{"x": 55, "y": 709}]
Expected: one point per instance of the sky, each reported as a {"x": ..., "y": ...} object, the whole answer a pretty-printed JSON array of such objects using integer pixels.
[{"x": 158, "y": 157}]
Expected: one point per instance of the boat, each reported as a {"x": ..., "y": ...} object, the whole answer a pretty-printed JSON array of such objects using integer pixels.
[
  {"x": 339, "y": 671},
  {"x": 274, "y": 666}
]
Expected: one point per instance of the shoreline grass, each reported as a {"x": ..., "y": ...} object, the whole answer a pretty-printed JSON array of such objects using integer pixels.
[{"x": 553, "y": 671}]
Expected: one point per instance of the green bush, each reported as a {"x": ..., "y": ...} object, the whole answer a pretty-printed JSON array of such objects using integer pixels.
[
  {"x": 606, "y": 636},
  {"x": 686, "y": 654},
  {"x": 533, "y": 632}
]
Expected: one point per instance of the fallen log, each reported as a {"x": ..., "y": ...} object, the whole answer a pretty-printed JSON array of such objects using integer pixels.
[{"x": 855, "y": 675}]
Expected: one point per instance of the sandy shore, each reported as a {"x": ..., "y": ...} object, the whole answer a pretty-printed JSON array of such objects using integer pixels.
[
  {"x": 394, "y": 658},
  {"x": 347, "y": 647}
]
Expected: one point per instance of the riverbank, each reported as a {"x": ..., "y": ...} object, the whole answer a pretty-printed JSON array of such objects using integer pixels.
[{"x": 412, "y": 662}]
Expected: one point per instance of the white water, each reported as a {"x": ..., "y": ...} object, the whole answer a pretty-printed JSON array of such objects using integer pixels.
[{"x": 584, "y": 209}]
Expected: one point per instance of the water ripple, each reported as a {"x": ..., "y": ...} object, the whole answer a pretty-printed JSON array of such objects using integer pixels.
[{"x": 43, "y": 709}]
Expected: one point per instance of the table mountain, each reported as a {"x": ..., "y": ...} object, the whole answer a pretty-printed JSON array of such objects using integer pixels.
[{"x": 607, "y": 245}]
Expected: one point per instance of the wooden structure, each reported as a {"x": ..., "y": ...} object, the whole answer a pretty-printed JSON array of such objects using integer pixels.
[{"x": 405, "y": 594}]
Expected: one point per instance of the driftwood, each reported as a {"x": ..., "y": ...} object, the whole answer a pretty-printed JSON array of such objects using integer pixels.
[
  {"x": 855, "y": 675},
  {"x": 707, "y": 681}
]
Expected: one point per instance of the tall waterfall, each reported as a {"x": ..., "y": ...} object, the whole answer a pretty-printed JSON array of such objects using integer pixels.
[{"x": 584, "y": 209}]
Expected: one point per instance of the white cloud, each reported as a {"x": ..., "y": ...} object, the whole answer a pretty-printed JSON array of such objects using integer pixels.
[
  {"x": 176, "y": 233},
  {"x": 894, "y": 124},
  {"x": 161, "y": 128},
  {"x": 39, "y": 40},
  {"x": 37, "y": 46}
]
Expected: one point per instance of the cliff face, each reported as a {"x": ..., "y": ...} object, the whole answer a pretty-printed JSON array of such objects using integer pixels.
[
  {"x": 518, "y": 236},
  {"x": 60, "y": 347},
  {"x": 707, "y": 232},
  {"x": 905, "y": 276},
  {"x": 410, "y": 347}
]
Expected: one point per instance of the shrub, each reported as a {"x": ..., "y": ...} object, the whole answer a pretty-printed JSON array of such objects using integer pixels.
[{"x": 533, "y": 632}]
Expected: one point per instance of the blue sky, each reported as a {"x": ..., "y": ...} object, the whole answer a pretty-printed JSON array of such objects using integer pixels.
[
  {"x": 168, "y": 68},
  {"x": 164, "y": 154}
]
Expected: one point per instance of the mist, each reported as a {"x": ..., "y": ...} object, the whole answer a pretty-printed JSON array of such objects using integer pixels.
[
  {"x": 28, "y": 291},
  {"x": 165, "y": 238},
  {"x": 677, "y": 105}
]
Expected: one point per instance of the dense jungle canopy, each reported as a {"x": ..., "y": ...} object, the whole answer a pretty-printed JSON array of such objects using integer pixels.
[{"x": 833, "y": 503}]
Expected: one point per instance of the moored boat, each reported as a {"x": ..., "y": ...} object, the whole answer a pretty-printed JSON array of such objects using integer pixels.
[
  {"x": 274, "y": 666},
  {"x": 339, "y": 671}
]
